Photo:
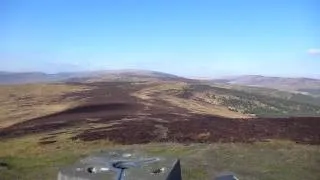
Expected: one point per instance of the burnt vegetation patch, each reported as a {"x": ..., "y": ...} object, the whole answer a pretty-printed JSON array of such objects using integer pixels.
[
  {"x": 106, "y": 102},
  {"x": 47, "y": 138},
  {"x": 100, "y": 107},
  {"x": 27, "y": 128},
  {"x": 125, "y": 133},
  {"x": 70, "y": 118},
  {"x": 206, "y": 129},
  {"x": 47, "y": 142}
]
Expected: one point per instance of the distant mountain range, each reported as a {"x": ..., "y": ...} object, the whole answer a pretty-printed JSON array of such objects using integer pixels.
[
  {"x": 125, "y": 75},
  {"x": 301, "y": 85},
  {"x": 36, "y": 77}
]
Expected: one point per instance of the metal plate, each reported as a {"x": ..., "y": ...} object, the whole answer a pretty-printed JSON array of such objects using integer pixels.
[{"x": 121, "y": 165}]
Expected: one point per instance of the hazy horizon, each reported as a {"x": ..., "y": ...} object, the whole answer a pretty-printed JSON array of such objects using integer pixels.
[
  {"x": 186, "y": 38},
  {"x": 186, "y": 76}
]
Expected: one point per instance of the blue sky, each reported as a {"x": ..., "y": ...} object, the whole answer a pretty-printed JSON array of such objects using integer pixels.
[{"x": 202, "y": 38}]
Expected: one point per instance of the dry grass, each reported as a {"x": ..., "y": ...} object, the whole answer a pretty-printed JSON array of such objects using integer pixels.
[
  {"x": 203, "y": 108},
  {"x": 23, "y": 102},
  {"x": 157, "y": 92},
  {"x": 156, "y": 88}
]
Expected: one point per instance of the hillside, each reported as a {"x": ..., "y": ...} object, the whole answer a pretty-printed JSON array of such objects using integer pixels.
[
  {"x": 269, "y": 92},
  {"x": 23, "y": 102},
  {"x": 306, "y": 86},
  {"x": 302, "y": 85},
  {"x": 44, "y": 127},
  {"x": 223, "y": 100},
  {"x": 93, "y": 106},
  {"x": 237, "y": 102}
]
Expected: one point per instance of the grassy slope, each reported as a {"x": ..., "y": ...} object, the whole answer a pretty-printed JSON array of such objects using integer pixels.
[
  {"x": 163, "y": 91},
  {"x": 233, "y": 101},
  {"x": 297, "y": 97},
  {"x": 250, "y": 101},
  {"x": 263, "y": 161},
  {"x": 23, "y": 102}
]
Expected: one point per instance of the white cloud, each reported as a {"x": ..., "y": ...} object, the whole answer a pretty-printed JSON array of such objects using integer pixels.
[{"x": 314, "y": 51}]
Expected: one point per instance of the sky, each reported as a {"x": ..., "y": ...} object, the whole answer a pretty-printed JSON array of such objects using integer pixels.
[{"x": 198, "y": 38}]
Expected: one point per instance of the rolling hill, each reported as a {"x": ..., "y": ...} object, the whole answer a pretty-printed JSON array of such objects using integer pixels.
[
  {"x": 90, "y": 76},
  {"x": 36, "y": 77},
  {"x": 301, "y": 85},
  {"x": 244, "y": 96},
  {"x": 209, "y": 126}
]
